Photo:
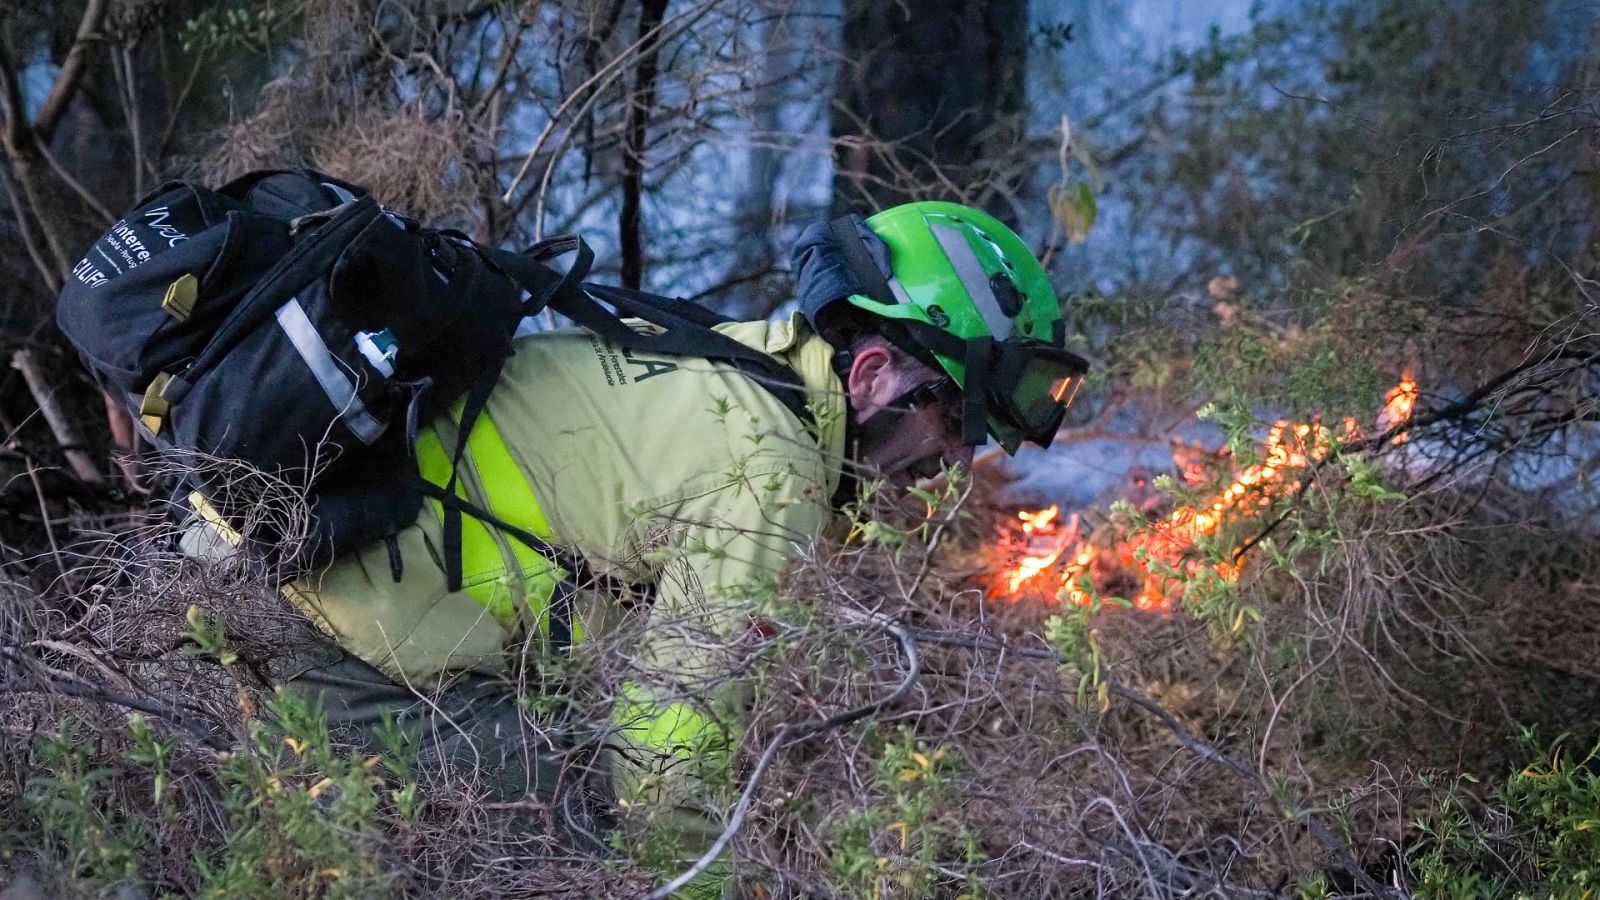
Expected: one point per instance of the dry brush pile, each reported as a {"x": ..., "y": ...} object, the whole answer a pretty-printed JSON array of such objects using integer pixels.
[{"x": 1394, "y": 624}]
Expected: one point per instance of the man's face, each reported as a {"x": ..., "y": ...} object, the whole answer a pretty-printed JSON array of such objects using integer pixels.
[{"x": 919, "y": 434}]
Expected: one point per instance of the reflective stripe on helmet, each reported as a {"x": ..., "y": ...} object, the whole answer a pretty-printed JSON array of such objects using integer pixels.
[
  {"x": 974, "y": 280},
  {"x": 899, "y": 291}
]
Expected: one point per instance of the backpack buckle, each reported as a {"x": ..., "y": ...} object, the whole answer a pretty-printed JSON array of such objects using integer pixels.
[
  {"x": 153, "y": 407},
  {"x": 181, "y": 294}
]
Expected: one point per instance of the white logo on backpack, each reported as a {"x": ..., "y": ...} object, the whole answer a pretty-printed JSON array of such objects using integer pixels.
[{"x": 158, "y": 222}]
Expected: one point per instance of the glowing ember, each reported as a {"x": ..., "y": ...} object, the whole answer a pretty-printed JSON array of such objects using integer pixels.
[
  {"x": 1154, "y": 555},
  {"x": 1397, "y": 406},
  {"x": 1038, "y": 521},
  {"x": 1044, "y": 542}
]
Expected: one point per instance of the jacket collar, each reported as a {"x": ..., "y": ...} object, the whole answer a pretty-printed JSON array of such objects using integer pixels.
[{"x": 794, "y": 344}]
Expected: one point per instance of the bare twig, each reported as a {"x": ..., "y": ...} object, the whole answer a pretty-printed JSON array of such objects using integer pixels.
[
  {"x": 122, "y": 69},
  {"x": 85, "y": 691},
  {"x": 44, "y": 513},
  {"x": 47, "y": 273},
  {"x": 176, "y": 111},
  {"x": 508, "y": 55},
  {"x": 608, "y": 73},
  {"x": 644, "y": 95},
  {"x": 16, "y": 123},
  {"x": 82, "y": 465},
  {"x": 126, "y": 441},
  {"x": 794, "y": 733},
  {"x": 71, "y": 181},
  {"x": 68, "y": 79}
]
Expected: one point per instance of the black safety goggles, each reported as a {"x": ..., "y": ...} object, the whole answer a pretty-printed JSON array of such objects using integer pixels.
[
  {"x": 1017, "y": 389},
  {"x": 1026, "y": 387},
  {"x": 1030, "y": 385}
]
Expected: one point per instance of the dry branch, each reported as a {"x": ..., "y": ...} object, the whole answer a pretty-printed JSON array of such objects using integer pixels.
[
  {"x": 72, "y": 70},
  {"x": 1201, "y": 748},
  {"x": 126, "y": 441},
  {"x": 82, "y": 465}
]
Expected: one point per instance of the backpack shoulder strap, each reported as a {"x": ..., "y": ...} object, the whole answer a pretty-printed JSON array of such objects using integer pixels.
[
  {"x": 687, "y": 309},
  {"x": 561, "y": 602},
  {"x": 687, "y": 327},
  {"x": 692, "y": 327}
]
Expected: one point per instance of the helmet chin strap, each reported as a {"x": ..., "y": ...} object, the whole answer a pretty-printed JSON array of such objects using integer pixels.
[{"x": 975, "y": 393}]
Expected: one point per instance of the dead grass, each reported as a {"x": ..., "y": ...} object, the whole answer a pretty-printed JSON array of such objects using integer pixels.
[{"x": 1407, "y": 643}]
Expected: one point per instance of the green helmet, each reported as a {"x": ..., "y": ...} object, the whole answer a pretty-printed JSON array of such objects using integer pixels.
[{"x": 964, "y": 292}]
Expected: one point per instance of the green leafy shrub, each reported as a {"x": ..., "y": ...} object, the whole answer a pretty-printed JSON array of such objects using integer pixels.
[
  {"x": 306, "y": 818},
  {"x": 894, "y": 842},
  {"x": 1539, "y": 841},
  {"x": 302, "y": 816}
]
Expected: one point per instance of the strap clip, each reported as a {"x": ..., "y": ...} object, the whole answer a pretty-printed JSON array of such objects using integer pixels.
[
  {"x": 153, "y": 407},
  {"x": 181, "y": 294}
]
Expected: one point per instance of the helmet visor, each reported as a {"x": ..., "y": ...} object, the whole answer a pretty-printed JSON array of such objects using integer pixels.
[{"x": 1035, "y": 383}]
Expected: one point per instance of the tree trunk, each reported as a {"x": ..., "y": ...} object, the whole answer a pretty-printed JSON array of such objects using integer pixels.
[
  {"x": 651, "y": 14},
  {"x": 748, "y": 295},
  {"x": 926, "y": 93}
]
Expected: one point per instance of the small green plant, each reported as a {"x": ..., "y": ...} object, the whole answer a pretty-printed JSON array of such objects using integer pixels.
[
  {"x": 1541, "y": 843},
  {"x": 1073, "y": 636},
  {"x": 154, "y": 753},
  {"x": 79, "y": 819},
  {"x": 1442, "y": 863},
  {"x": 1366, "y": 479},
  {"x": 305, "y": 816},
  {"x": 401, "y": 743},
  {"x": 207, "y": 638},
  {"x": 869, "y": 525},
  {"x": 1239, "y": 423},
  {"x": 895, "y": 842},
  {"x": 236, "y": 28},
  {"x": 301, "y": 816}
]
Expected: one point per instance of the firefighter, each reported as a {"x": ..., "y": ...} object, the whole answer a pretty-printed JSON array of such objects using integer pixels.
[{"x": 676, "y": 489}]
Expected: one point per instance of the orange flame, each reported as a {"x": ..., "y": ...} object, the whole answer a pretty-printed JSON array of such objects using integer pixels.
[
  {"x": 1038, "y": 521},
  {"x": 1165, "y": 548},
  {"x": 1397, "y": 406},
  {"x": 1028, "y": 568},
  {"x": 1071, "y": 577},
  {"x": 1038, "y": 527}
]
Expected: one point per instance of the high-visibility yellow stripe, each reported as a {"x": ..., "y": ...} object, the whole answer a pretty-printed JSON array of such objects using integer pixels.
[
  {"x": 511, "y": 499},
  {"x": 488, "y": 576},
  {"x": 670, "y": 729},
  {"x": 483, "y": 567}
]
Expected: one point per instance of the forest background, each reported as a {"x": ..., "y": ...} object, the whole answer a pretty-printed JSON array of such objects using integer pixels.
[{"x": 1349, "y": 655}]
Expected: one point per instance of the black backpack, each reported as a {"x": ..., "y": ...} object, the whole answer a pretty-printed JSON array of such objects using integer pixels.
[{"x": 288, "y": 321}]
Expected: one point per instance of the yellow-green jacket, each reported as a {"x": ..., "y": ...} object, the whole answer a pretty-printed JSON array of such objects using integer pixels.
[{"x": 673, "y": 472}]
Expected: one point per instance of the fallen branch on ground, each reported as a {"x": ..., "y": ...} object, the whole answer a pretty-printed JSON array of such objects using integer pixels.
[{"x": 71, "y": 445}]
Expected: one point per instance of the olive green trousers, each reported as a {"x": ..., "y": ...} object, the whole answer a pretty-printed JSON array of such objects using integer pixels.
[{"x": 472, "y": 735}]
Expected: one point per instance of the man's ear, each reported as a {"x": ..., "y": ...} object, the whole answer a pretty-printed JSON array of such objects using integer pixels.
[{"x": 874, "y": 380}]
